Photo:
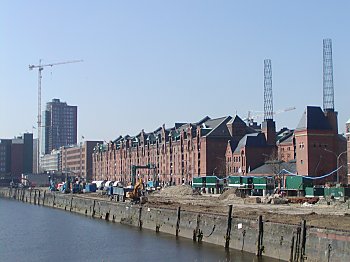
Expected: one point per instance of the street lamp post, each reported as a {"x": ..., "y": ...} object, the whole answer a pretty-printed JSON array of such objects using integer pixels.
[{"x": 338, "y": 157}]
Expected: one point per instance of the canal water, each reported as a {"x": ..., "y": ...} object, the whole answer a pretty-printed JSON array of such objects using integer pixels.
[{"x": 35, "y": 233}]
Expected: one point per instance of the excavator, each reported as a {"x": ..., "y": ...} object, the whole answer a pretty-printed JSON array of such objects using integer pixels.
[{"x": 135, "y": 195}]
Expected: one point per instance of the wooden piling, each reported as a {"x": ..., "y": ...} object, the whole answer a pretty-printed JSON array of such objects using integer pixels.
[
  {"x": 140, "y": 218},
  {"x": 178, "y": 221},
  {"x": 229, "y": 225},
  {"x": 196, "y": 231},
  {"x": 44, "y": 198},
  {"x": 260, "y": 247},
  {"x": 303, "y": 240},
  {"x": 34, "y": 197},
  {"x": 291, "y": 250},
  {"x": 71, "y": 204}
]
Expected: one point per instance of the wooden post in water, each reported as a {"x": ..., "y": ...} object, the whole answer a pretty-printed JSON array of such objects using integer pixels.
[
  {"x": 229, "y": 225},
  {"x": 140, "y": 218},
  {"x": 195, "y": 231},
  {"x": 303, "y": 240},
  {"x": 291, "y": 250},
  {"x": 178, "y": 221},
  {"x": 44, "y": 198},
  {"x": 34, "y": 197},
  {"x": 260, "y": 247},
  {"x": 93, "y": 209},
  {"x": 71, "y": 204}
]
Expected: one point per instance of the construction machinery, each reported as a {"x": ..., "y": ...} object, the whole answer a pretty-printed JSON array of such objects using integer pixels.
[
  {"x": 52, "y": 186},
  {"x": 40, "y": 68},
  {"x": 66, "y": 187},
  {"x": 253, "y": 115},
  {"x": 136, "y": 195},
  {"x": 134, "y": 169}
]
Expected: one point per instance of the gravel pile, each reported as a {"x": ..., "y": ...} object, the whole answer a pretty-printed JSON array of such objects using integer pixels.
[
  {"x": 228, "y": 194},
  {"x": 181, "y": 190}
]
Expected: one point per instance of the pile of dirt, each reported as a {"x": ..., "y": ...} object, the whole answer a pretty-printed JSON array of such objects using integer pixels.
[
  {"x": 181, "y": 190},
  {"x": 230, "y": 193}
]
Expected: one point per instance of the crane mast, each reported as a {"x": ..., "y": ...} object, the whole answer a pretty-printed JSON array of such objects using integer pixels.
[{"x": 40, "y": 68}]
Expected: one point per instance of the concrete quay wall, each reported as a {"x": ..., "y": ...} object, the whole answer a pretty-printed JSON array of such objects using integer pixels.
[{"x": 282, "y": 241}]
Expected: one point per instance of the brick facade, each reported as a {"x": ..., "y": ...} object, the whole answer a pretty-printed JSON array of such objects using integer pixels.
[
  {"x": 178, "y": 153},
  {"x": 318, "y": 145},
  {"x": 77, "y": 159}
]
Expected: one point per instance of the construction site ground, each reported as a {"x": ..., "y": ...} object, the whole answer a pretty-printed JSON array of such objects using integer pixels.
[{"x": 336, "y": 215}]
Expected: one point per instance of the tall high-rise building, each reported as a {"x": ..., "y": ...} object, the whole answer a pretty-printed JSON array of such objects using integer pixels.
[{"x": 59, "y": 125}]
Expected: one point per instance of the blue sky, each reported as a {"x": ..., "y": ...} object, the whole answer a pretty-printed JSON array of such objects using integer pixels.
[{"x": 152, "y": 62}]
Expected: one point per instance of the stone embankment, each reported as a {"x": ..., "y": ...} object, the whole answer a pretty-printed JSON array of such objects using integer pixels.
[{"x": 277, "y": 240}]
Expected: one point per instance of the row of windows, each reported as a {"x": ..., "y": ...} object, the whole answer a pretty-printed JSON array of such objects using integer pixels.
[
  {"x": 284, "y": 148},
  {"x": 235, "y": 169},
  {"x": 288, "y": 155},
  {"x": 302, "y": 146},
  {"x": 236, "y": 159}
]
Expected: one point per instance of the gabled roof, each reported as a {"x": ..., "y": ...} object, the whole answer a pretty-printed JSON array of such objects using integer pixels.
[
  {"x": 251, "y": 140},
  {"x": 118, "y": 139},
  {"x": 285, "y": 137},
  {"x": 217, "y": 127},
  {"x": 313, "y": 118},
  {"x": 236, "y": 119},
  {"x": 202, "y": 120},
  {"x": 348, "y": 122},
  {"x": 270, "y": 168},
  {"x": 233, "y": 145},
  {"x": 177, "y": 125}
]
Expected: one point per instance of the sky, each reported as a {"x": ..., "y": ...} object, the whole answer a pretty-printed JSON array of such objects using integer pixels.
[{"x": 148, "y": 63}]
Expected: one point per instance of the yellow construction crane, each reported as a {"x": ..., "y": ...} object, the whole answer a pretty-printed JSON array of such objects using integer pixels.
[{"x": 40, "y": 68}]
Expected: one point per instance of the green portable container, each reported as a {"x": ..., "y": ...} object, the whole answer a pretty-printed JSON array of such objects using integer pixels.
[
  {"x": 197, "y": 182},
  {"x": 314, "y": 191},
  {"x": 246, "y": 181},
  {"x": 234, "y": 181},
  {"x": 337, "y": 191},
  {"x": 211, "y": 181},
  {"x": 298, "y": 183},
  {"x": 263, "y": 182}
]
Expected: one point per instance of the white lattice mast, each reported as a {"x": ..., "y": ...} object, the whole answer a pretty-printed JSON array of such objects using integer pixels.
[
  {"x": 328, "y": 86},
  {"x": 268, "y": 102}
]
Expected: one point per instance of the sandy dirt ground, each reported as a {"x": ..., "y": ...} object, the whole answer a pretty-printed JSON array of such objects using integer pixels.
[{"x": 333, "y": 216}]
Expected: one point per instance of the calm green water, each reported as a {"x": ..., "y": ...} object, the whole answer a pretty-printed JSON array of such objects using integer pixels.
[{"x": 35, "y": 233}]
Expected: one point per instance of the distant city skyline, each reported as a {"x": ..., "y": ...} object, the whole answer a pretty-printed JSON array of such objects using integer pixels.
[{"x": 150, "y": 63}]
